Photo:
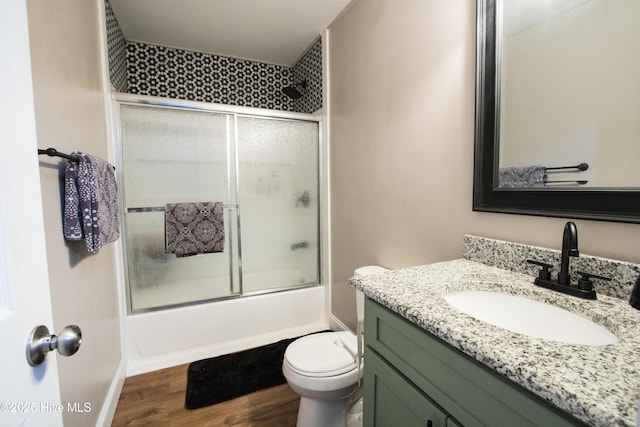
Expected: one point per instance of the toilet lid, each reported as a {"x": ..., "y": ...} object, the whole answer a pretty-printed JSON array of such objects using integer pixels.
[{"x": 323, "y": 355}]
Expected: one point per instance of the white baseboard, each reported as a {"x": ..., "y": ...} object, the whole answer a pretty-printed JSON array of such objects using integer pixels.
[
  {"x": 105, "y": 419},
  {"x": 336, "y": 324}
]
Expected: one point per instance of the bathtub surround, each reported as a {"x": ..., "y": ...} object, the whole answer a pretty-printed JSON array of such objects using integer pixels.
[
  {"x": 198, "y": 337},
  {"x": 145, "y": 69}
]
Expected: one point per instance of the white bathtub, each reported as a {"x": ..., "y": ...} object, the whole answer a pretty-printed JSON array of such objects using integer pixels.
[{"x": 171, "y": 337}]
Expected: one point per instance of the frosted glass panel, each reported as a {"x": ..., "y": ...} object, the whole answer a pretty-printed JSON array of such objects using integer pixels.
[
  {"x": 158, "y": 279},
  {"x": 173, "y": 155},
  {"x": 278, "y": 199},
  {"x": 169, "y": 156}
]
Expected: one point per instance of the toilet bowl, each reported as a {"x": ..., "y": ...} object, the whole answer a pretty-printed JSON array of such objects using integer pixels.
[{"x": 323, "y": 369}]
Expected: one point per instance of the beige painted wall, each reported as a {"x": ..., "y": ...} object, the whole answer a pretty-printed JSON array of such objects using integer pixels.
[
  {"x": 70, "y": 115},
  {"x": 401, "y": 113}
]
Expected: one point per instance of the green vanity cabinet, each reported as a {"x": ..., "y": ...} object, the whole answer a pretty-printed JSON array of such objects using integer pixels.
[
  {"x": 414, "y": 379},
  {"x": 396, "y": 401}
]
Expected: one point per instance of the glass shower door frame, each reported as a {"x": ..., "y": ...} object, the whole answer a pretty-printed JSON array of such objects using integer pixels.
[{"x": 233, "y": 177}]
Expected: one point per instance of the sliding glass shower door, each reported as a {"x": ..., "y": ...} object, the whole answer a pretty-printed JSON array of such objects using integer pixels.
[
  {"x": 278, "y": 195},
  {"x": 263, "y": 171},
  {"x": 174, "y": 156}
]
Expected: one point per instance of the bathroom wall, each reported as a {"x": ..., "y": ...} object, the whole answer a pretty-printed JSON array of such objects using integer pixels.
[
  {"x": 68, "y": 78},
  {"x": 116, "y": 51},
  {"x": 196, "y": 76},
  {"x": 401, "y": 114}
]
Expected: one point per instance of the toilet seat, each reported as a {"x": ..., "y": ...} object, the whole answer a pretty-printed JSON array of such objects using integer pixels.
[{"x": 322, "y": 355}]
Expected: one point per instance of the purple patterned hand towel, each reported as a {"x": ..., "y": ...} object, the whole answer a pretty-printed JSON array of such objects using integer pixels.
[
  {"x": 522, "y": 176},
  {"x": 90, "y": 202},
  {"x": 194, "y": 228}
]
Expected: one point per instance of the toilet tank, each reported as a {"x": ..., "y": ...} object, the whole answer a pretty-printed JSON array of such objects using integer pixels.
[{"x": 364, "y": 271}]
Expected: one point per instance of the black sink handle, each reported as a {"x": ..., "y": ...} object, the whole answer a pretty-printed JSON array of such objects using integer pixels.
[
  {"x": 545, "y": 271},
  {"x": 585, "y": 282}
]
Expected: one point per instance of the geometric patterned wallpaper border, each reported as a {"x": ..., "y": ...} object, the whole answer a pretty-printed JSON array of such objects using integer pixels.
[
  {"x": 181, "y": 74},
  {"x": 174, "y": 73},
  {"x": 309, "y": 68},
  {"x": 116, "y": 51}
]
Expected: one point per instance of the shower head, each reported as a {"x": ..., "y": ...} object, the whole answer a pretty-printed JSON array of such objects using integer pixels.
[{"x": 294, "y": 91}]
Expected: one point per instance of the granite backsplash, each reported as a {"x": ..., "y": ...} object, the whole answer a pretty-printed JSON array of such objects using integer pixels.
[{"x": 513, "y": 256}]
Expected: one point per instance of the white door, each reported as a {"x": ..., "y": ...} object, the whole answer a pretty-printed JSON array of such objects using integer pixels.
[{"x": 28, "y": 396}]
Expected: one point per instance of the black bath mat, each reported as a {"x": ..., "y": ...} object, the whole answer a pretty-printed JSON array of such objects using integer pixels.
[{"x": 221, "y": 378}]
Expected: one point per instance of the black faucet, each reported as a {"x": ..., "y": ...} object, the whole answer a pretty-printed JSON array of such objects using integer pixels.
[
  {"x": 569, "y": 249},
  {"x": 584, "y": 287}
]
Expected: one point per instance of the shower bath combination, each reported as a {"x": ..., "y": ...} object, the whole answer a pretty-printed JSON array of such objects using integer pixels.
[
  {"x": 194, "y": 152},
  {"x": 295, "y": 91}
]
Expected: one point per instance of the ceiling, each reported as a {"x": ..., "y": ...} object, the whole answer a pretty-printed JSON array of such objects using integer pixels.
[{"x": 273, "y": 31}]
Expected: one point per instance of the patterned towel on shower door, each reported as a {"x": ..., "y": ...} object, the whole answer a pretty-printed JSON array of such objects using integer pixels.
[{"x": 194, "y": 228}]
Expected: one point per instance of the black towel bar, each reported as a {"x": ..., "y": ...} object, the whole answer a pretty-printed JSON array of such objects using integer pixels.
[
  {"x": 573, "y": 182},
  {"x": 52, "y": 152},
  {"x": 581, "y": 167}
]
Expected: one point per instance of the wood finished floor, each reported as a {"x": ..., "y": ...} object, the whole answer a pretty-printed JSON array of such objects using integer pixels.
[{"x": 157, "y": 398}]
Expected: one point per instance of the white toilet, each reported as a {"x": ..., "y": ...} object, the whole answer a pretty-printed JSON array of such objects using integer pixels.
[{"x": 322, "y": 368}]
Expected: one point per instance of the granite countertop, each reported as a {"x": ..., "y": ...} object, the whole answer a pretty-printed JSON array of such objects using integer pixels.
[{"x": 599, "y": 385}]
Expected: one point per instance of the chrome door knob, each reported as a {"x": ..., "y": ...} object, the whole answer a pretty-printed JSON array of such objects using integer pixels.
[{"x": 40, "y": 343}]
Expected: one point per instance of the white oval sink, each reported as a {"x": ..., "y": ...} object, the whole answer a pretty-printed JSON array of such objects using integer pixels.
[{"x": 529, "y": 317}]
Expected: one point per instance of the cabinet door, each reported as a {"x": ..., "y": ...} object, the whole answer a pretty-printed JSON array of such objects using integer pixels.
[
  {"x": 396, "y": 401},
  {"x": 461, "y": 386}
]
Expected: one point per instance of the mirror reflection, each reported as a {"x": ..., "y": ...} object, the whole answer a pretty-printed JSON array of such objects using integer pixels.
[{"x": 569, "y": 94}]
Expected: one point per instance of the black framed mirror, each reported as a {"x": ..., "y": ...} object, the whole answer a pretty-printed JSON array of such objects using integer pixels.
[{"x": 597, "y": 203}]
